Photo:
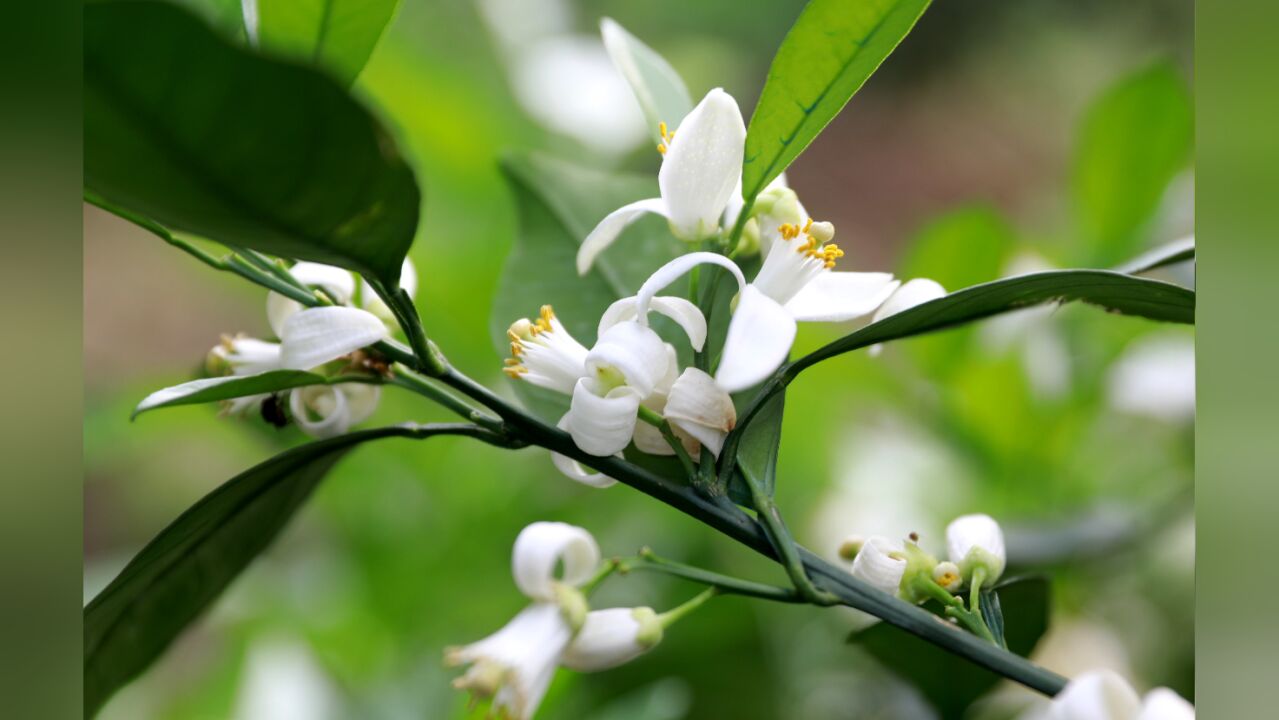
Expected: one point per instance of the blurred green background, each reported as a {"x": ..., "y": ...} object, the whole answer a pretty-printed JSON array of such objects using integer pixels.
[{"x": 986, "y": 145}]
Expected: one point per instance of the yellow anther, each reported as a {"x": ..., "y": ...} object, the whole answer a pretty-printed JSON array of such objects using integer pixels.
[
  {"x": 517, "y": 349},
  {"x": 661, "y": 148},
  {"x": 661, "y": 129},
  {"x": 808, "y": 226},
  {"x": 547, "y": 313},
  {"x": 788, "y": 231},
  {"x": 514, "y": 371}
]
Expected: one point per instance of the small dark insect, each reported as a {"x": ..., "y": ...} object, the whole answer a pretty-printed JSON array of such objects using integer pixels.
[
  {"x": 914, "y": 537},
  {"x": 273, "y": 411}
]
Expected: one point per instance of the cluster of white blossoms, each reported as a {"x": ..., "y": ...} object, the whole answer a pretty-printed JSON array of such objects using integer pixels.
[
  {"x": 312, "y": 339},
  {"x": 630, "y": 367},
  {"x": 513, "y": 667},
  {"x": 975, "y": 547}
]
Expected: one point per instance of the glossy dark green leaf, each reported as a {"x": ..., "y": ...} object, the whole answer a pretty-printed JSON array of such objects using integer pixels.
[
  {"x": 1112, "y": 291},
  {"x": 1133, "y": 140},
  {"x": 949, "y": 682},
  {"x": 761, "y": 442},
  {"x": 831, "y": 50},
  {"x": 214, "y": 389},
  {"x": 337, "y": 35},
  {"x": 184, "y": 568},
  {"x": 206, "y": 137}
]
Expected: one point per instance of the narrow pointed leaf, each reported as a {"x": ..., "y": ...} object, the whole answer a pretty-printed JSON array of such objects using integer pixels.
[
  {"x": 831, "y": 50},
  {"x": 215, "y": 389},
  {"x": 337, "y": 35},
  {"x": 205, "y": 136},
  {"x": 1112, "y": 291},
  {"x": 183, "y": 569}
]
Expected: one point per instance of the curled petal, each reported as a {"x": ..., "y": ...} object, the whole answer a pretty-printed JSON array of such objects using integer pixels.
[
  {"x": 675, "y": 269},
  {"x": 612, "y": 637},
  {"x": 701, "y": 408},
  {"x": 574, "y": 470},
  {"x": 321, "y": 411},
  {"x": 361, "y": 399},
  {"x": 1159, "y": 704},
  {"x": 602, "y": 424},
  {"x": 876, "y": 566},
  {"x": 1096, "y": 695},
  {"x": 628, "y": 353},
  {"x": 759, "y": 339},
  {"x": 841, "y": 296},
  {"x": 913, "y": 292},
  {"x": 684, "y": 313},
  {"x": 336, "y": 281},
  {"x": 541, "y": 547},
  {"x": 703, "y": 165},
  {"x": 317, "y": 335},
  {"x": 611, "y": 226}
]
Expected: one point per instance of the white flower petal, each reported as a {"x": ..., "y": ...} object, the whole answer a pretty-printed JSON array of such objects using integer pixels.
[
  {"x": 700, "y": 407},
  {"x": 317, "y": 335},
  {"x": 913, "y": 292},
  {"x": 574, "y": 470},
  {"x": 320, "y": 411},
  {"x": 338, "y": 282},
  {"x": 612, "y": 637},
  {"x": 611, "y": 226},
  {"x": 1159, "y": 704},
  {"x": 1096, "y": 695},
  {"x": 675, "y": 269},
  {"x": 361, "y": 399},
  {"x": 759, "y": 339},
  {"x": 876, "y": 567},
  {"x": 602, "y": 425},
  {"x": 631, "y": 353},
  {"x": 702, "y": 166},
  {"x": 249, "y": 356},
  {"x": 541, "y": 547},
  {"x": 841, "y": 296},
  {"x": 514, "y": 665},
  {"x": 972, "y": 539}
]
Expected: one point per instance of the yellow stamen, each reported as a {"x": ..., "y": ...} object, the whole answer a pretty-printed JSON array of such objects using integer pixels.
[
  {"x": 661, "y": 148},
  {"x": 514, "y": 371},
  {"x": 808, "y": 226}
]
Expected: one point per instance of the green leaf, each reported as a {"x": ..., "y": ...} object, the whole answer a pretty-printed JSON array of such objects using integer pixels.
[
  {"x": 227, "y": 16},
  {"x": 337, "y": 35},
  {"x": 180, "y": 572},
  {"x": 1115, "y": 292},
  {"x": 828, "y": 54},
  {"x": 559, "y": 203},
  {"x": 1133, "y": 140},
  {"x": 224, "y": 388},
  {"x": 661, "y": 92},
  {"x": 760, "y": 444},
  {"x": 206, "y": 137},
  {"x": 949, "y": 682},
  {"x": 1167, "y": 254}
]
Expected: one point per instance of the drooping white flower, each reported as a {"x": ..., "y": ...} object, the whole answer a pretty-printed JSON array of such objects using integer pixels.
[
  {"x": 324, "y": 411},
  {"x": 976, "y": 541},
  {"x": 514, "y": 666},
  {"x": 701, "y": 165},
  {"x": 613, "y": 637},
  {"x": 1104, "y": 695},
  {"x": 881, "y": 564},
  {"x": 317, "y": 335},
  {"x": 622, "y": 369}
]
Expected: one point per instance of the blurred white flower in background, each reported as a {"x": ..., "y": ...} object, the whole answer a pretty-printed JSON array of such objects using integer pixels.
[
  {"x": 282, "y": 680},
  {"x": 1155, "y": 377},
  {"x": 564, "y": 80}
]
